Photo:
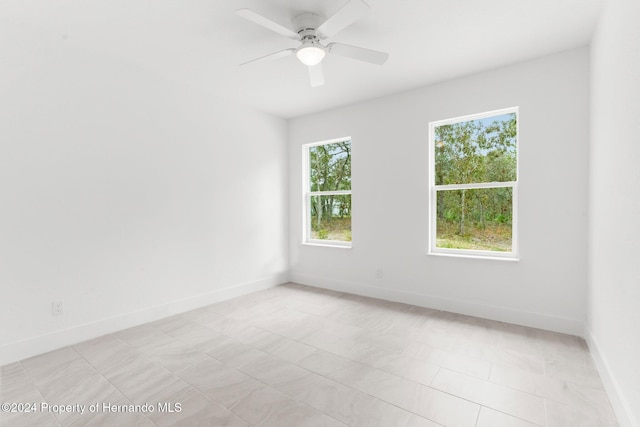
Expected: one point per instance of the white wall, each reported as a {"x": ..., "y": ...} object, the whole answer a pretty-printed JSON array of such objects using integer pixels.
[
  {"x": 614, "y": 291},
  {"x": 547, "y": 287},
  {"x": 127, "y": 196}
]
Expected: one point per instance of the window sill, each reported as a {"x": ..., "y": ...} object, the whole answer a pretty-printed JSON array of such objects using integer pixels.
[
  {"x": 338, "y": 245},
  {"x": 474, "y": 256}
]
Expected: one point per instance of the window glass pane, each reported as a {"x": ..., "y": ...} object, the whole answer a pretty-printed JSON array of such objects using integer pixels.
[
  {"x": 331, "y": 217},
  {"x": 481, "y": 150},
  {"x": 330, "y": 167},
  {"x": 477, "y": 219}
]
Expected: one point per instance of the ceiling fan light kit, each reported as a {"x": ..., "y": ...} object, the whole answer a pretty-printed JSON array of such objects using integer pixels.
[
  {"x": 310, "y": 30},
  {"x": 310, "y": 53}
]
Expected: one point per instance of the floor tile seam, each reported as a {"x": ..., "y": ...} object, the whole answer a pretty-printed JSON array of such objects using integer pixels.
[
  {"x": 33, "y": 382},
  {"x": 498, "y": 410},
  {"x": 112, "y": 384},
  {"x": 502, "y": 385},
  {"x": 518, "y": 351},
  {"x": 343, "y": 295},
  {"x": 478, "y": 416},
  {"x": 589, "y": 369},
  {"x": 577, "y": 384},
  {"x": 35, "y": 385},
  {"x": 18, "y": 366},
  {"x": 334, "y": 354},
  {"x": 284, "y": 336},
  {"x": 227, "y": 318},
  {"x": 386, "y": 371},
  {"x": 319, "y": 349},
  {"x": 307, "y": 313},
  {"x": 146, "y": 358},
  {"x": 435, "y": 376},
  {"x": 517, "y": 417},
  {"x": 491, "y": 348},
  {"x": 571, "y": 382},
  {"x": 540, "y": 396},
  {"x": 207, "y": 397},
  {"x": 535, "y": 394},
  {"x": 425, "y": 418},
  {"x": 295, "y": 340},
  {"x": 423, "y": 360},
  {"x": 546, "y": 412},
  {"x": 456, "y": 339},
  {"x": 462, "y": 373},
  {"x": 608, "y": 402},
  {"x": 80, "y": 422},
  {"x": 373, "y": 331},
  {"x": 24, "y": 371},
  {"x": 375, "y": 397},
  {"x": 491, "y": 366},
  {"x": 449, "y": 352},
  {"x": 266, "y": 385},
  {"x": 203, "y": 393},
  {"x": 70, "y": 347},
  {"x": 176, "y": 315},
  {"x": 138, "y": 349},
  {"x": 406, "y": 409},
  {"x": 309, "y": 372},
  {"x": 271, "y": 388},
  {"x": 17, "y": 416},
  {"x": 208, "y": 356},
  {"x": 366, "y": 393},
  {"x": 484, "y": 405},
  {"x": 322, "y": 317},
  {"x": 174, "y": 375},
  {"x": 514, "y": 366},
  {"x": 407, "y": 378},
  {"x": 143, "y": 355},
  {"x": 191, "y": 345},
  {"x": 610, "y": 414},
  {"x": 166, "y": 335}
]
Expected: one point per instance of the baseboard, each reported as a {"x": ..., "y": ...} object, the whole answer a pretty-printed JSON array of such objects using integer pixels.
[
  {"x": 470, "y": 308},
  {"x": 41, "y": 344},
  {"x": 620, "y": 405}
]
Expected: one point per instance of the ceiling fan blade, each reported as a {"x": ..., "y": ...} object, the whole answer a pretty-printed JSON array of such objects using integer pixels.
[
  {"x": 345, "y": 16},
  {"x": 316, "y": 76},
  {"x": 272, "y": 25},
  {"x": 359, "y": 53},
  {"x": 276, "y": 55}
]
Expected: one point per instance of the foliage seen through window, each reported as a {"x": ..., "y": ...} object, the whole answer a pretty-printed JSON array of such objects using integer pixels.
[
  {"x": 475, "y": 176},
  {"x": 329, "y": 199}
]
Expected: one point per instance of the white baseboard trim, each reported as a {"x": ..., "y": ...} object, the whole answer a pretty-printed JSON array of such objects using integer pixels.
[
  {"x": 620, "y": 405},
  {"x": 470, "y": 308},
  {"x": 42, "y": 344}
]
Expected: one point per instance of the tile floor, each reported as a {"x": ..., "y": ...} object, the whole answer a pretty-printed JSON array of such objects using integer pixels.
[{"x": 301, "y": 356}]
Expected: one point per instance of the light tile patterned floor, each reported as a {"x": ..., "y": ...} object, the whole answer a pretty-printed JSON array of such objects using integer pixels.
[{"x": 301, "y": 356}]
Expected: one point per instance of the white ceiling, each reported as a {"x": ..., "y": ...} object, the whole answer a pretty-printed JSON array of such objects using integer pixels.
[{"x": 201, "y": 43}]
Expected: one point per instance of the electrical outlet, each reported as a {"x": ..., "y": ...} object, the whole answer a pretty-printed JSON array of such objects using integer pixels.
[
  {"x": 57, "y": 308},
  {"x": 379, "y": 273}
]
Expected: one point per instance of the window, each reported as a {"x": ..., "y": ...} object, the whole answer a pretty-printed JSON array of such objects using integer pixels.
[
  {"x": 474, "y": 185},
  {"x": 327, "y": 192}
]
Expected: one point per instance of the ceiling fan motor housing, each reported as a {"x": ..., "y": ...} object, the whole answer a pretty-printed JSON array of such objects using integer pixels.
[{"x": 306, "y": 25}]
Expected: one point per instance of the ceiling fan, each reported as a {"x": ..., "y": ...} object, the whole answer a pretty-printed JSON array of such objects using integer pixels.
[{"x": 310, "y": 30}]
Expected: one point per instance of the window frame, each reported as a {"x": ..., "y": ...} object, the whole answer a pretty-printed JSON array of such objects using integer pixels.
[
  {"x": 432, "y": 249},
  {"x": 307, "y": 194}
]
